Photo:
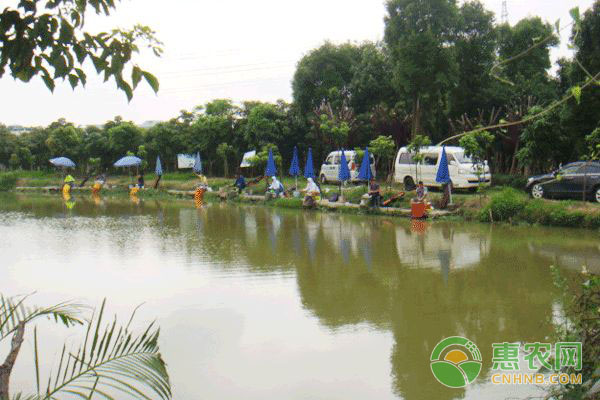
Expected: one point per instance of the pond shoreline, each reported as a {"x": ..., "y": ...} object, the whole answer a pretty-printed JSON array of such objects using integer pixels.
[{"x": 503, "y": 205}]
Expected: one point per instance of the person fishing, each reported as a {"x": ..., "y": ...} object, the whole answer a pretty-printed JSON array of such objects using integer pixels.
[
  {"x": 68, "y": 184},
  {"x": 98, "y": 183},
  {"x": 200, "y": 189},
  {"x": 276, "y": 188},
  {"x": 374, "y": 193},
  {"x": 240, "y": 183},
  {"x": 140, "y": 182},
  {"x": 313, "y": 193},
  {"x": 421, "y": 193}
]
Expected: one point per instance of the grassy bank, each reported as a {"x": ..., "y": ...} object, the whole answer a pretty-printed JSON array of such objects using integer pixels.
[
  {"x": 8, "y": 181},
  {"x": 514, "y": 206},
  {"x": 497, "y": 204}
]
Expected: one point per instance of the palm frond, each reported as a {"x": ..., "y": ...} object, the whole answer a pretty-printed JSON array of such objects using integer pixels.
[
  {"x": 110, "y": 362},
  {"x": 13, "y": 311}
]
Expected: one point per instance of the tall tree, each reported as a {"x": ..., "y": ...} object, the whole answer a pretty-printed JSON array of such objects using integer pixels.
[
  {"x": 418, "y": 34},
  {"x": 322, "y": 69},
  {"x": 525, "y": 52},
  {"x": 474, "y": 48}
]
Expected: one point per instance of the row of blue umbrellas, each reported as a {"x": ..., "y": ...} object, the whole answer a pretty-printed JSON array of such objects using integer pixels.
[{"x": 365, "y": 172}]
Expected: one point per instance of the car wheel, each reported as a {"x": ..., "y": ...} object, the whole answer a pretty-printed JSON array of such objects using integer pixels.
[
  {"x": 323, "y": 179},
  {"x": 598, "y": 194},
  {"x": 537, "y": 191},
  {"x": 409, "y": 184}
]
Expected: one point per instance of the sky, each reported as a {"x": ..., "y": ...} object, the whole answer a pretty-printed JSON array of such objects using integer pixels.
[{"x": 237, "y": 49}]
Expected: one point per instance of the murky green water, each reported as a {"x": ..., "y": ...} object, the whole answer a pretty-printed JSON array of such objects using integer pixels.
[{"x": 260, "y": 303}]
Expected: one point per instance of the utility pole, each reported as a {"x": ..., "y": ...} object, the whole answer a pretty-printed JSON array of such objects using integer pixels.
[{"x": 504, "y": 15}]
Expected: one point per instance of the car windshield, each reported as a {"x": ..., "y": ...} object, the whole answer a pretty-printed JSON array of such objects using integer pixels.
[
  {"x": 462, "y": 158},
  {"x": 569, "y": 169}
]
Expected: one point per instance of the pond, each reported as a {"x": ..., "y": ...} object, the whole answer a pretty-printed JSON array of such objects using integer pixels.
[{"x": 262, "y": 303}]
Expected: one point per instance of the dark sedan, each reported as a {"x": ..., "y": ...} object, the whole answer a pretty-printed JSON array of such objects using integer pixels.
[{"x": 569, "y": 181}]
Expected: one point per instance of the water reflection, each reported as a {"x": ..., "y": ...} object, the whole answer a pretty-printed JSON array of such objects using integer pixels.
[{"x": 416, "y": 282}]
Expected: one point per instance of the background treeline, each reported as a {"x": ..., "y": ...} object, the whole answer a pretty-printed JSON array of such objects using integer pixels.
[{"x": 439, "y": 71}]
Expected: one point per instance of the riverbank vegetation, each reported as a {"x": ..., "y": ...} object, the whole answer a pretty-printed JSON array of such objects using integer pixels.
[
  {"x": 497, "y": 204},
  {"x": 466, "y": 70},
  {"x": 580, "y": 301}
]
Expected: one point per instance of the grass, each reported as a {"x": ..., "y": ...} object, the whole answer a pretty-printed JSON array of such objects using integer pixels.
[
  {"x": 513, "y": 206},
  {"x": 493, "y": 204},
  {"x": 8, "y": 181}
]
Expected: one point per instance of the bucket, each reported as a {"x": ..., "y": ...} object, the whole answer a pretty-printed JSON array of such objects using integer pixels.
[{"x": 417, "y": 210}]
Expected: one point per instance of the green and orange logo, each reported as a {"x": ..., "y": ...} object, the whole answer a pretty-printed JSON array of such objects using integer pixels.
[{"x": 456, "y": 362}]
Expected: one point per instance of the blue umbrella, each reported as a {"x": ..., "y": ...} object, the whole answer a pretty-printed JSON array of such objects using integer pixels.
[
  {"x": 271, "y": 169},
  {"x": 158, "y": 171},
  {"x": 443, "y": 173},
  {"x": 197, "y": 164},
  {"x": 62, "y": 162},
  {"x": 128, "y": 161},
  {"x": 365, "y": 172},
  {"x": 309, "y": 171},
  {"x": 158, "y": 168},
  {"x": 295, "y": 167},
  {"x": 344, "y": 173}
]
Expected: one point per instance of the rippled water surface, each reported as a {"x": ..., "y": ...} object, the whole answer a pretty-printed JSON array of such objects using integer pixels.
[{"x": 261, "y": 303}]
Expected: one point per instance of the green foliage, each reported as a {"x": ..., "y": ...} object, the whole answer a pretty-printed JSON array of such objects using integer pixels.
[
  {"x": 8, "y": 181},
  {"x": 504, "y": 206},
  {"x": 581, "y": 302},
  {"x": 414, "y": 148},
  {"x": 417, "y": 33},
  {"x": 593, "y": 142},
  {"x": 225, "y": 152},
  {"x": 54, "y": 44},
  {"x": 14, "y": 161},
  {"x": 511, "y": 205},
  {"x": 544, "y": 142},
  {"x": 259, "y": 161},
  {"x": 111, "y": 358},
  {"x": 383, "y": 149},
  {"x": 513, "y": 181}
]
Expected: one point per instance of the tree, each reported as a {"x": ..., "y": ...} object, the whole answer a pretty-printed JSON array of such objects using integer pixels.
[
  {"x": 266, "y": 123},
  {"x": 384, "y": 149},
  {"x": 112, "y": 357},
  {"x": 525, "y": 50},
  {"x": 474, "y": 50},
  {"x": 322, "y": 69},
  {"x": 47, "y": 38},
  {"x": 477, "y": 145},
  {"x": 122, "y": 138},
  {"x": 14, "y": 161},
  {"x": 8, "y": 145},
  {"x": 64, "y": 141},
  {"x": 418, "y": 34},
  {"x": 225, "y": 152},
  {"x": 213, "y": 126},
  {"x": 544, "y": 143},
  {"x": 414, "y": 148}
]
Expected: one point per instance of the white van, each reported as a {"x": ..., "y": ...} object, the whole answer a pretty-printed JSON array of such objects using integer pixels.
[
  {"x": 461, "y": 168},
  {"x": 331, "y": 167}
]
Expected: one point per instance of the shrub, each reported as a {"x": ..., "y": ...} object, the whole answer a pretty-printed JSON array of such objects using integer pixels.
[
  {"x": 504, "y": 205},
  {"x": 8, "y": 181}
]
